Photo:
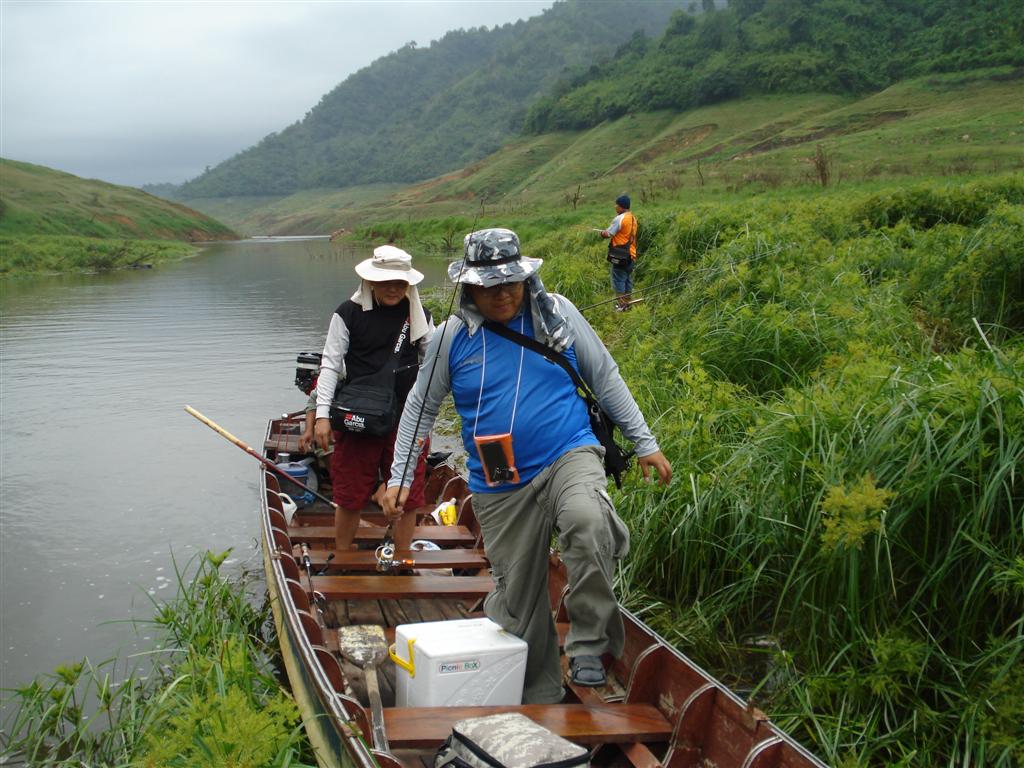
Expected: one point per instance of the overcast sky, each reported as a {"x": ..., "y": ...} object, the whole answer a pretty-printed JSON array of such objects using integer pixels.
[{"x": 137, "y": 92}]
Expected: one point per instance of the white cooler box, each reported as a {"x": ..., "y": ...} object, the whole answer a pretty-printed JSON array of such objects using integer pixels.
[{"x": 462, "y": 662}]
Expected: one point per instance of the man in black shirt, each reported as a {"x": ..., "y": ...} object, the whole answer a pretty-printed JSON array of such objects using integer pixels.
[{"x": 383, "y": 320}]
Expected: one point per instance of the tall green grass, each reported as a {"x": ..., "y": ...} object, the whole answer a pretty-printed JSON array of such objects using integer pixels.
[
  {"x": 206, "y": 696},
  {"x": 838, "y": 379},
  {"x": 839, "y": 383}
]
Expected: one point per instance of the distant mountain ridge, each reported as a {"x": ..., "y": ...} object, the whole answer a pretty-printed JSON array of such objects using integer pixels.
[
  {"x": 756, "y": 47},
  {"x": 422, "y": 111}
]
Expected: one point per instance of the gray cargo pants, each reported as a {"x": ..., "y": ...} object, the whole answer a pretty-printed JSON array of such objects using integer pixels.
[{"x": 570, "y": 497}]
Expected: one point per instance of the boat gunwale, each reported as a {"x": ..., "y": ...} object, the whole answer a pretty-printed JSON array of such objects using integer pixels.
[{"x": 356, "y": 749}]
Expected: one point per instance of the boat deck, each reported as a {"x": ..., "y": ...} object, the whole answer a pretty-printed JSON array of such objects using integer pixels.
[{"x": 656, "y": 709}]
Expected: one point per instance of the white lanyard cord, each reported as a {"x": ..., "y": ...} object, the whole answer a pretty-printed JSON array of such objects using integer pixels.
[{"x": 519, "y": 378}]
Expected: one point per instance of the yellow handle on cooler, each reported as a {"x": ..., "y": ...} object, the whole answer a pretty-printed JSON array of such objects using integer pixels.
[{"x": 410, "y": 665}]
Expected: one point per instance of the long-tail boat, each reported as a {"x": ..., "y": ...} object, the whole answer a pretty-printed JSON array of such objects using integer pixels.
[{"x": 657, "y": 708}]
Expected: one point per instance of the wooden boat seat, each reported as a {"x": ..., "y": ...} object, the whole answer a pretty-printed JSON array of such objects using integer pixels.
[
  {"x": 402, "y": 587},
  {"x": 427, "y": 727},
  {"x": 366, "y": 560},
  {"x": 286, "y": 443},
  {"x": 442, "y": 535}
]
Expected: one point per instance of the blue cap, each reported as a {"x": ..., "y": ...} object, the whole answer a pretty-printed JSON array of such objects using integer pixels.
[{"x": 622, "y": 201}]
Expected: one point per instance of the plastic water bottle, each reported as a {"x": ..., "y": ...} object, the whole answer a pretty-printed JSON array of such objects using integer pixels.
[{"x": 445, "y": 513}]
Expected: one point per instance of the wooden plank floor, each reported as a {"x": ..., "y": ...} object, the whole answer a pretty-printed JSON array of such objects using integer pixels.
[
  {"x": 397, "y": 587},
  {"x": 427, "y": 727},
  {"x": 366, "y": 560},
  {"x": 442, "y": 535}
]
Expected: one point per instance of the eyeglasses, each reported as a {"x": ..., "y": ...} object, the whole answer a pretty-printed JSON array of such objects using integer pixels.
[{"x": 492, "y": 291}]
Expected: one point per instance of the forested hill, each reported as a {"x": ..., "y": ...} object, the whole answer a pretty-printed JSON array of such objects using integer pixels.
[
  {"x": 754, "y": 47},
  {"x": 422, "y": 111}
]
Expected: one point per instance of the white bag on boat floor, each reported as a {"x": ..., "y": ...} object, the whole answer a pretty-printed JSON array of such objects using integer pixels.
[{"x": 509, "y": 740}]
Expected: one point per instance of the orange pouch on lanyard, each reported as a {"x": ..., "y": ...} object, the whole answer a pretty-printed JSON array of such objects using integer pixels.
[{"x": 497, "y": 459}]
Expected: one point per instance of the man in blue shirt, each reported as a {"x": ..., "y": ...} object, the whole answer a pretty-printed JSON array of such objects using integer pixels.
[{"x": 514, "y": 399}]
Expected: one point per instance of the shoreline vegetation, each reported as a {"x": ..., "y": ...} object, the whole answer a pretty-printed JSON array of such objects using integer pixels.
[
  {"x": 206, "y": 694},
  {"x": 61, "y": 254}
]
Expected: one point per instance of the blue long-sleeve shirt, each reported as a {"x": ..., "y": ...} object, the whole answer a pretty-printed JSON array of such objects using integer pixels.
[{"x": 551, "y": 418}]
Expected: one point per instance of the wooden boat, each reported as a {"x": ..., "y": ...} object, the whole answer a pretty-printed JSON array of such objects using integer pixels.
[{"x": 657, "y": 709}]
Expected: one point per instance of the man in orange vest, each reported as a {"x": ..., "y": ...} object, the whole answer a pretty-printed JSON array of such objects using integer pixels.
[{"x": 622, "y": 252}]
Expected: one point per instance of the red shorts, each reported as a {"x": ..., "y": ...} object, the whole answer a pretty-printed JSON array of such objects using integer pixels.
[{"x": 359, "y": 463}]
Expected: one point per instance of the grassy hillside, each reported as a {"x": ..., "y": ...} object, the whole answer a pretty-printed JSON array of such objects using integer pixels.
[
  {"x": 54, "y": 221},
  {"x": 756, "y": 47},
  {"x": 942, "y": 125}
]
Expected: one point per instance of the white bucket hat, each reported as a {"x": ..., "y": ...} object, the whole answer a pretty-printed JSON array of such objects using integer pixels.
[{"x": 389, "y": 263}]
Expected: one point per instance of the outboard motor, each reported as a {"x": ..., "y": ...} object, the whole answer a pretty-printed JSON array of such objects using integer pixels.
[{"x": 307, "y": 366}]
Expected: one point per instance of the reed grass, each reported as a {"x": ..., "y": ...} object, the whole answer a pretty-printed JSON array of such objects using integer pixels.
[
  {"x": 840, "y": 386},
  {"x": 206, "y": 695}
]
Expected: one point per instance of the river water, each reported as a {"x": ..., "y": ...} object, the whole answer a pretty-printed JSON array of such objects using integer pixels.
[{"x": 105, "y": 481}]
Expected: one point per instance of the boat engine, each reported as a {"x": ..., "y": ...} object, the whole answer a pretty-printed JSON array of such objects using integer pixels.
[{"x": 307, "y": 366}]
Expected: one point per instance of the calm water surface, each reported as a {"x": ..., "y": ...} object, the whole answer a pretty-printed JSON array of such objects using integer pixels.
[{"x": 103, "y": 476}]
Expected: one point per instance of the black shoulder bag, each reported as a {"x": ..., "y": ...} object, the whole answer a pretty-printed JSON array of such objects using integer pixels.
[
  {"x": 619, "y": 255},
  {"x": 616, "y": 461},
  {"x": 368, "y": 405}
]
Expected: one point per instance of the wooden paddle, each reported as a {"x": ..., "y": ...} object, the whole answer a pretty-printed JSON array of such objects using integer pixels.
[{"x": 366, "y": 646}]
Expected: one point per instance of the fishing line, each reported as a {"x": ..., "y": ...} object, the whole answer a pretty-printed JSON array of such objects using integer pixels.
[
  {"x": 672, "y": 281},
  {"x": 433, "y": 367}
]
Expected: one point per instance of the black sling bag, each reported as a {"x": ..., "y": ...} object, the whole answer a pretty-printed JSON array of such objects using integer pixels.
[
  {"x": 368, "y": 405},
  {"x": 616, "y": 461},
  {"x": 619, "y": 255}
]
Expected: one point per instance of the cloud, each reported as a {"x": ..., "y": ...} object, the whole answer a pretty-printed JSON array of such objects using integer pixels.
[{"x": 137, "y": 92}]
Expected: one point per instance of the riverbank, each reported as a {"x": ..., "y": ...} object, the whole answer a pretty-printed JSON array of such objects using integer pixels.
[
  {"x": 55, "y": 222},
  {"x": 56, "y": 254},
  {"x": 838, "y": 379}
]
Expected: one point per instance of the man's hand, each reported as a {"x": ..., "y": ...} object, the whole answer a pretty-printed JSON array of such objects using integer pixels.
[
  {"x": 322, "y": 432},
  {"x": 394, "y": 501},
  {"x": 306, "y": 438},
  {"x": 660, "y": 464},
  {"x": 605, "y": 233}
]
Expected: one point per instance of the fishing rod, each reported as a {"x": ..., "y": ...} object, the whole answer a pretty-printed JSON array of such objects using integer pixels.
[
  {"x": 316, "y": 598},
  {"x": 649, "y": 291},
  {"x": 430, "y": 377},
  {"x": 266, "y": 462},
  {"x": 386, "y": 551}
]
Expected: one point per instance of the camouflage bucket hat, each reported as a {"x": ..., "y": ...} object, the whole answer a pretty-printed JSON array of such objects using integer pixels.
[{"x": 492, "y": 257}]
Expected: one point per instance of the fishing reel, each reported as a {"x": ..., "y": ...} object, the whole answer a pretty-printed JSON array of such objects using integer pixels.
[{"x": 386, "y": 558}]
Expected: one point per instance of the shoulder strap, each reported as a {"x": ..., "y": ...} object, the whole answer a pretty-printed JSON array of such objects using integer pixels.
[
  {"x": 543, "y": 349},
  {"x": 400, "y": 340}
]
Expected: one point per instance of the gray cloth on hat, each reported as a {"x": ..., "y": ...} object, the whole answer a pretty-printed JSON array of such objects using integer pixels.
[{"x": 544, "y": 310}]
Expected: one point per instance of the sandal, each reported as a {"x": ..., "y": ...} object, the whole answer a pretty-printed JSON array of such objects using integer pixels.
[{"x": 587, "y": 670}]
